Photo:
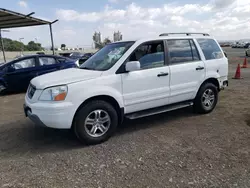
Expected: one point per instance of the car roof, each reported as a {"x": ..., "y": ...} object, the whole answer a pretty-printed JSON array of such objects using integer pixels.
[
  {"x": 181, "y": 36},
  {"x": 40, "y": 55},
  {"x": 36, "y": 55}
]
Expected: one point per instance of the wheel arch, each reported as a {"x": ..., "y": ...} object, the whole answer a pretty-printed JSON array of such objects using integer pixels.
[
  {"x": 210, "y": 80},
  {"x": 108, "y": 99}
]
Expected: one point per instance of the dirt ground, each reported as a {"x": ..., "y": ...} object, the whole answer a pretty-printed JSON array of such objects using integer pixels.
[{"x": 175, "y": 149}]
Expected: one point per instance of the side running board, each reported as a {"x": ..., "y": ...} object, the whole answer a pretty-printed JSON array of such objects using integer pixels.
[{"x": 158, "y": 110}]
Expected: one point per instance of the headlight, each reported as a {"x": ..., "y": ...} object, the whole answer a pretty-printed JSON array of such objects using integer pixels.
[{"x": 57, "y": 93}]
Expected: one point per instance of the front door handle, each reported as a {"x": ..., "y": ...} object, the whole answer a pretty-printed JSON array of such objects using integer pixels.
[
  {"x": 199, "y": 68},
  {"x": 162, "y": 74}
]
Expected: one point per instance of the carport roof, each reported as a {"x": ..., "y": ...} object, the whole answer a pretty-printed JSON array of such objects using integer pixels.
[{"x": 11, "y": 19}]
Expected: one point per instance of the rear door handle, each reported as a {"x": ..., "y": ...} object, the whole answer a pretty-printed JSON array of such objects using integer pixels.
[
  {"x": 199, "y": 68},
  {"x": 162, "y": 74}
]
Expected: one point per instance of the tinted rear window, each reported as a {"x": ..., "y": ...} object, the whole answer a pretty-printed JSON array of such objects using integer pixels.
[
  {"x": 210, "y": 49},
  {"x": 182, "y": 50}
]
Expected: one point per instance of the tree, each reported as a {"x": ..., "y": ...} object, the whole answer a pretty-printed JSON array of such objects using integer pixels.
[
  {"x": 10, "y": 45},
  {"x": 32, "y": 46},
  {"x": 13, "y": 45},
  {"x": 106, "y": 41},
  {"x": 102, "y": 44},
  {"x": 63, "y": 46}
]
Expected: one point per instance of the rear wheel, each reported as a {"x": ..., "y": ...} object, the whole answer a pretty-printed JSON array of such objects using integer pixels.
[
  {"x": 95, "y": 122},
  {"x": 206, "y": 98}
]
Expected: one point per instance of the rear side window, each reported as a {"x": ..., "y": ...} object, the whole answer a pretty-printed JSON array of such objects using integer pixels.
[
  {"x": 46, "y": 61},
  {"x": 210, "y": 49},
  {"x": 181, "y": 51},
  {"x": 23, "y": 64}
]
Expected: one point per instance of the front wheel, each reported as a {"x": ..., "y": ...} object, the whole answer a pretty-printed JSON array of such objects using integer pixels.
[
  {"x": 95, "y": 122},
  {"x": 2, "y": 88},
  {"x": 206, "y": 99}
]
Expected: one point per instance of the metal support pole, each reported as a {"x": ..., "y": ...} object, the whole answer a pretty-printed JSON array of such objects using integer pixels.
[
  {"x": 2, "y": 45},
  {"x": 51, "y": 36}
]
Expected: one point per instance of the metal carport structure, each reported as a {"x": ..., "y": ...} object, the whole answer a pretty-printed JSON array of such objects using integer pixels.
[{"x": 10, "y": 19}]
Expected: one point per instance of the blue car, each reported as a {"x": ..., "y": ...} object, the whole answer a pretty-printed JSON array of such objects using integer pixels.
[{"x": 16, "y": 75}]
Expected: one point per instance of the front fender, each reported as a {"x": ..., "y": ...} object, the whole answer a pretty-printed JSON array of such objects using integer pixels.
[
  {"x": 99, "y": 91},
  {"x": 109, "y": 86}
]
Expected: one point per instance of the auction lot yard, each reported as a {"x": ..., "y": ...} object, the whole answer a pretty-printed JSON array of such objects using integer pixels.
[{"x": 175, "y": 149}]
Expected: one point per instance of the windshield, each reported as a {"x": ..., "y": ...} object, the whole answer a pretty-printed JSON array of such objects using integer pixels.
[{"x": 105, "y": 58}]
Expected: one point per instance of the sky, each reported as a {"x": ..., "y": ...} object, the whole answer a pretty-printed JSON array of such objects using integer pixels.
[{"x": 79, "y": 19}]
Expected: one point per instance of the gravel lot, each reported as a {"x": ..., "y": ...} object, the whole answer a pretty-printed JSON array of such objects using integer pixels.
[{"x": 175, "y": 149}]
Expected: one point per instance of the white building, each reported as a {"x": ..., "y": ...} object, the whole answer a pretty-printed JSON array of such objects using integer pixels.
[
  {"x": 117, "y": 36},
  {"x": 97, "y": 37}
]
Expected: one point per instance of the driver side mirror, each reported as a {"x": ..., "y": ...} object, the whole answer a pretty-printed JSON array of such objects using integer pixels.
[{"x": 133, "y": 66}]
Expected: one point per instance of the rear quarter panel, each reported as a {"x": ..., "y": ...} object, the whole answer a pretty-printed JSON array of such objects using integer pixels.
[{"x": 215, "y": 68}]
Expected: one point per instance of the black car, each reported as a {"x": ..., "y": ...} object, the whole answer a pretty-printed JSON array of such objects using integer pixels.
[
  {"x": 247, "y": 45},
  {"x": 81, "y": 57},
  {"x": 72, "y": 55},
  {"x": 16, "y": 75}
]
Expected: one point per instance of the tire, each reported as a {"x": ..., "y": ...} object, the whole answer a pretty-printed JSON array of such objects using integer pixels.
[
  {"x": 91, "y": 132},
  {"x": 201, "y": 104},
  {"x": 246, "y": 54}
]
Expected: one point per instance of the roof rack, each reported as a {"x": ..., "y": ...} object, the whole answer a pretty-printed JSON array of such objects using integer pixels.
[{"x": 188, "y": 34}]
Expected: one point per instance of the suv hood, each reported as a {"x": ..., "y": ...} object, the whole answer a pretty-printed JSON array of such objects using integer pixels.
[{"x": 66, "y": 76}]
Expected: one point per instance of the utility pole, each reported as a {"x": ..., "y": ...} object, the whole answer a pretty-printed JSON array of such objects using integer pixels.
[
  {"x": 4, "y": 57},
  {"x": 21, "y": 52}
]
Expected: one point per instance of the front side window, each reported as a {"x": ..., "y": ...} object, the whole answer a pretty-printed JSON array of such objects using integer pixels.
[
  {"x": 105, "y": 58},
  {"x": 23, "y": 64},
  {"x": 181, "y": 51},
  {"x": 210, "y": 49},
  {"x": 150, "y": 55},
  {"x": 46, "y": 61}
]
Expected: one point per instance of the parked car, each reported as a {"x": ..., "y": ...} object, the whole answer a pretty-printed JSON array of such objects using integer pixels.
[
  {"x": 85, "y": 57},
  {"x": 81, "y": 57},
  {"x": 41, "y": 53},
  {"x": 130, "y": 79},
  {"x": 234, "y": 46},
  {"x": 16, "y": 75},
  {"x": 242, "y": 45},
  {"x": 246, "y": 45},
  {"x": 248, "y": 51},
  {"x": 72, "y": 55}
]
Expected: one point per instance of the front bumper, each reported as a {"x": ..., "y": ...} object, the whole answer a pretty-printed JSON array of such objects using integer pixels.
[
  {"x": 58, "y": 115},
  {"x": 33, "y": 117}
]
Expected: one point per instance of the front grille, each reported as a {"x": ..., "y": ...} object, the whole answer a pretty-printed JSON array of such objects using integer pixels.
[{"x": 31, "y": 91}]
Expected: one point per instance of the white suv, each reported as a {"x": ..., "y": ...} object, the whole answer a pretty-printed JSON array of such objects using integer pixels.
[{"x": 130, "y": 79}]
